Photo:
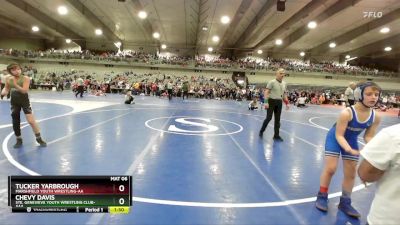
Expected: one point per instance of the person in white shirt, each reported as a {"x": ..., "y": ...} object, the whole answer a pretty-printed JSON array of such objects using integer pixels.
[
  {"x": 170, "y": 87},
  {"x": 349, "y": 94},
  {"x": 3, "y": 76},
  {"x": 274, "y": 95},
  {"x": 80, "y": 88},
  {"x": 129, "y": 99},
  {"x": 382, "y": 164},
  {"x": 301, "y": 101},
  {"x": 253, "y": 104}
]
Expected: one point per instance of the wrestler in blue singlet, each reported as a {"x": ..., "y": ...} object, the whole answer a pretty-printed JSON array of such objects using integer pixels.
[{"x": 354, "y": 128}]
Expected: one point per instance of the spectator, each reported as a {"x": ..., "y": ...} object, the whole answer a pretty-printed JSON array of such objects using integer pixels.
[
  {"x": 349, "y": 94},
  {"x": 129, "y": 99},
  {"x": 381, "y": 164}
]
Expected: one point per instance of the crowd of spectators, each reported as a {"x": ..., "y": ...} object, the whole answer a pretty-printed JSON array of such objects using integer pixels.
[
  {"x": 247, "y": 63},
  {"x": 156, "y": 84},
  {"x": 323, "y": 95},
  {"x": 295, "y": 65},
  {"x": 199, "y": 86},
  {"x": 153, "y": 84}
]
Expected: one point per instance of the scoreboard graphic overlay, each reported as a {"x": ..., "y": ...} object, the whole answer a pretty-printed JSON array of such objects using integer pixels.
[{"x": 70, "y": 194}]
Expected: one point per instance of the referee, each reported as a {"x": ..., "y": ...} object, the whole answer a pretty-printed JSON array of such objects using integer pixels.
[
  {"x": 349, "y": 94},
  {"x": 274, "y": 94}
]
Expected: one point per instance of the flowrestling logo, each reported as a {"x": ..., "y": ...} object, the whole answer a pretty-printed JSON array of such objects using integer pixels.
[
  {"x": 372, "y": 14},
  {"x": 193, "y": 126}
]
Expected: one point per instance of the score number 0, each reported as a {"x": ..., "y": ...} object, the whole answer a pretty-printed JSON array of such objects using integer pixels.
[{"x": 121, "y": 188}]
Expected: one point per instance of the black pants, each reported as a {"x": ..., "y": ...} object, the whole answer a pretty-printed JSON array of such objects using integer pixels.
[
  {"x": 19, "y": 101},
  {"x": 79, "y": 91},
  {"x": 253, "y": 107},
  {"x": 185, "y": 93},
  {"x": 351, "y": 102},
  {"x": 275, "y": 107},
  {"x": 169, "y": 94},
  {"x": 60, "y": 87},
  {"x": 129, "y": 100}
]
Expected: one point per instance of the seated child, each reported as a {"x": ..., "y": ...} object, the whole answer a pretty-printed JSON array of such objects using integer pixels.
[
  {"x": 253, "y": 104},
  {"x": 301, "y": 101},
  {"x": 129, "y": 98}
]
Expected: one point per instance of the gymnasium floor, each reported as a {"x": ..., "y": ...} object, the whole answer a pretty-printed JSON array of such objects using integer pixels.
[{"x": 192, "y": 162}]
